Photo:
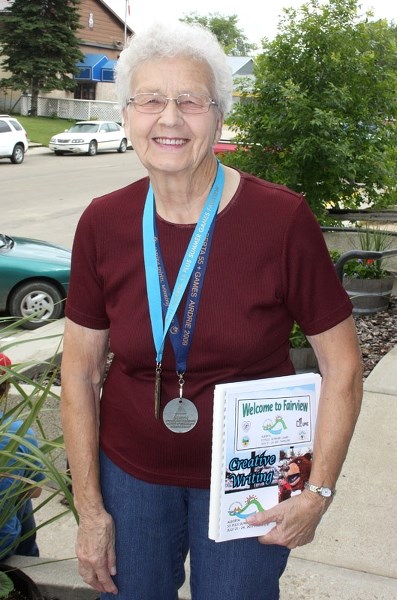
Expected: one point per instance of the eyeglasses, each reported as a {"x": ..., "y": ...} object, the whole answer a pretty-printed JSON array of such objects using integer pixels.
[{"x": 155, "y": 103}]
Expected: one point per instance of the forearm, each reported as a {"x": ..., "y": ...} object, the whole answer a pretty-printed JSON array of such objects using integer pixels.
[
  {"x": 82, "y": 449},
  {"x": 83, "y": 364},
  {"x": 340, "y": 401},
  {"x": 339, "y": 408}
]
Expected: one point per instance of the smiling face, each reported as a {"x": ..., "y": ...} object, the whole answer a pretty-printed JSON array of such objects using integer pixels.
[{"x": 173, "y": 141}]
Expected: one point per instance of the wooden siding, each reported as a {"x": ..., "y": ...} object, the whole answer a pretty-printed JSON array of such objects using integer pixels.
[{"x": 108, "y": 30}]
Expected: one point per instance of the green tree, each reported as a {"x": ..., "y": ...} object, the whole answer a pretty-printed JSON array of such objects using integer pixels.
[
  {"x": 232, "y": 39},
  {"x": 39, "y": 45},
  {"x": 321, "y": 115}
]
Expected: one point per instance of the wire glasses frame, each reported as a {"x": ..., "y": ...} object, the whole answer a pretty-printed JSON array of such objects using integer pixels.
[{"x": 154, "y": 103}]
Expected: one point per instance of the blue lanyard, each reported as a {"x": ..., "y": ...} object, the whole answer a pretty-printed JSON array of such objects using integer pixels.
[
  {"x": 181, "y": 340},
  {"x": 156, "y": 298}
]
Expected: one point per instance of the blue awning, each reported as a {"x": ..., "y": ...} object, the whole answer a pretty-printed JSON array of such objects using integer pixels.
[
  {"x": 107, "y": 70},
  {"x": 90, "y": 68}
]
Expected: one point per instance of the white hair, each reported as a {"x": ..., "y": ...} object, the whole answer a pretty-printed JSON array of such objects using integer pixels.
[{"x": 164, "y": 40}]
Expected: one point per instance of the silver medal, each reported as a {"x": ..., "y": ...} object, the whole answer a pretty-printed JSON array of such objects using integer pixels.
[{"x": 180, "y": 415}]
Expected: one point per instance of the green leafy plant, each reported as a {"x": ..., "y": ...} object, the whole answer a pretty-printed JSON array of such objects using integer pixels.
[
  {"x": 368, "y": 268},
  {"x": 297, "y": 338},
  {"x": 334, "y": 255},
  {"x": 31, "y": 406}
]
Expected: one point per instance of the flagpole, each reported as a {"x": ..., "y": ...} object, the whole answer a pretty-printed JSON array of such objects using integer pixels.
[{"x": 125, "y": 23}]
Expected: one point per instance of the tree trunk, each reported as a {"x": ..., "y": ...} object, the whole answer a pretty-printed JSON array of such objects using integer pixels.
[{"x": 34, "y": 99}]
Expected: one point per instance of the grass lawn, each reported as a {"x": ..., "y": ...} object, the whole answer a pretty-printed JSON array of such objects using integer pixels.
[{"x": 41, "y": 129}]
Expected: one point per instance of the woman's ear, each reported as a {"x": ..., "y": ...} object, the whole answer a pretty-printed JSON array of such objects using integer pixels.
[
  {"x": 124, "y": 116},
  {"x": 218, "y": 130}
]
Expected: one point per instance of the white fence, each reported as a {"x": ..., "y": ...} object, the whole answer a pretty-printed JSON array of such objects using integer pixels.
[{"x": 66, "y": 108}]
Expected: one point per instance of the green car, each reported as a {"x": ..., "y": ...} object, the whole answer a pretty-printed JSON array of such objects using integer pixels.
[{"x": 34, "y": 279}]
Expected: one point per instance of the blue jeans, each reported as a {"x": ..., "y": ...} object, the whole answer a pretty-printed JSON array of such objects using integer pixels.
[
  {"x": 27, "y": 546},
  {"x": 156, "y": 525}
]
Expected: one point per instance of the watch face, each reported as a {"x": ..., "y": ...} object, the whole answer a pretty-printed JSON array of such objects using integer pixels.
[{"x": 326, "y": 492}]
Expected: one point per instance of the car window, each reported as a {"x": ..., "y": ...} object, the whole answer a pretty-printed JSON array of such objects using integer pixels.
[
  {"x": 4, "y": 127},
  {"x": 113, "y": 127},
  {"x": 16, "y": 125},
  {"x": 105, "y": 127},
  {"x": 84, "y": 128}
]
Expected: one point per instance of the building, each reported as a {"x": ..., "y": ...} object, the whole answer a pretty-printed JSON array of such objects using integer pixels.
[{"x": 102, "y": 37}]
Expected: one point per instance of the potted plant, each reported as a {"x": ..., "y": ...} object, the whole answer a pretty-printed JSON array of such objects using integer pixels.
[
  {"x": 32, "y": 399},
  {"x": 367, "y": 282},
  {"x": 16, "y": 585},
  {"x": 301, "y": 353}
]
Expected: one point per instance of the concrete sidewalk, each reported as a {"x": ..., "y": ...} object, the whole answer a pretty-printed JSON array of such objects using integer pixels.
[{"x": 354, "y": 555}]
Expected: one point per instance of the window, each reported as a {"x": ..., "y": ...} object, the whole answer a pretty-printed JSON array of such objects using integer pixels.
[
  {"x": 16, "y": 125},
  {"x": 4, "y": 127},
  {"x": 85, "y": 91}
]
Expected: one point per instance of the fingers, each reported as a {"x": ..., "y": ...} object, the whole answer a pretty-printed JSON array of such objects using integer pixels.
[
  {"x": 295, "y": 522},
  {"x": 97, "y": 576}
]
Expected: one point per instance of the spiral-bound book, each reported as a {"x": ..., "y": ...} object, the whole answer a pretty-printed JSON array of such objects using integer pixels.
[{"x": 262, "y": 447}]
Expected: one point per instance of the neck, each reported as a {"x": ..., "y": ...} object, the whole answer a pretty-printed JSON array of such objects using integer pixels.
[{"x": 180, "y": 197}]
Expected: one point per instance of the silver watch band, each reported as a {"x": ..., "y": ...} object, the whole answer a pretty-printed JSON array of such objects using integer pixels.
[{"x": 325, "y": 492}]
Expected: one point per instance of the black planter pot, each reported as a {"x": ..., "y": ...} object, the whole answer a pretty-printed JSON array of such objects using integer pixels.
[{"x": 22, "y": 583}]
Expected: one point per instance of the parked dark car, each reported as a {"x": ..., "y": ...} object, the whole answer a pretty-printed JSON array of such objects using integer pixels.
[{"x": 34, "y": 279}]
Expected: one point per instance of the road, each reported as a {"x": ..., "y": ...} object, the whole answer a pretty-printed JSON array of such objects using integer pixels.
[{"x": 45, "y": 195}]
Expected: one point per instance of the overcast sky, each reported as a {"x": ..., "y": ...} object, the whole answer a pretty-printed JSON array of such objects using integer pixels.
[{"x": 257, "y": 18}]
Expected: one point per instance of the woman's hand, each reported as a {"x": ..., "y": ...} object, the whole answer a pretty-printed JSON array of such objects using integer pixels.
[
  {"x": 95, "y": 552},
  {"x": 296, "y": 520}
]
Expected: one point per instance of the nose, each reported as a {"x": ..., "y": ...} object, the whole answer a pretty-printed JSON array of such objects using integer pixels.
[{"x": 171, "y": 112}]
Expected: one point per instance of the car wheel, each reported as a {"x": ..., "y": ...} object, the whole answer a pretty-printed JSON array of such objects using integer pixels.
[
  {"x": 92, "y": 148},
  {"x": 59, "y": 152},
  {"x": 123, "y": 146},
  {"x": 18, "y": 154},
  {"x": 39, "y": 300}
]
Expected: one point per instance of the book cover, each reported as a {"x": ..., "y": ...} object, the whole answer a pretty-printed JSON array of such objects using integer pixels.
[{"x": 262, "y": 445}]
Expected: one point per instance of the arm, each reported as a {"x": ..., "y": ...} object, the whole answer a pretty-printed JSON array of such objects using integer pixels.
[
  {"x": 83, "y": 365},
  {"x": 339, "y": 359}
]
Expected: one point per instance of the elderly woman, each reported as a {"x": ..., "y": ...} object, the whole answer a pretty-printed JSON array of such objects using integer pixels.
[{"x": 191, "y": 276}]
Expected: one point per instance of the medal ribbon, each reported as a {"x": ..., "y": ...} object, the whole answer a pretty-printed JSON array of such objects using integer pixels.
[
  {"x": 182, "y": 340},
  {"x": 156, "y": 297}
]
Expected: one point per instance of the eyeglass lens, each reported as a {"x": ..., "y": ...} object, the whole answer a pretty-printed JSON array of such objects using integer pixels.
[{"x": 156, "y": 103}]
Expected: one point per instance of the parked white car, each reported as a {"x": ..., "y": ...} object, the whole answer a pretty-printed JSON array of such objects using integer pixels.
[
  {"x": 13, "y": 139},
  {"x": 90, "y": 137}
]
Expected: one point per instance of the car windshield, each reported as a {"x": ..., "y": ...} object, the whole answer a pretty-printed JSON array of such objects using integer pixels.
[{"x": 84, "y": 128}]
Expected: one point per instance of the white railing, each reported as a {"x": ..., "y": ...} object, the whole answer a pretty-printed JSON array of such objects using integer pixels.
[{"x": 69, "y": 108}]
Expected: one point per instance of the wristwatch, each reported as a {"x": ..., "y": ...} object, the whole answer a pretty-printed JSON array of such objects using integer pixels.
[{"x": 324, "y": 492}]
